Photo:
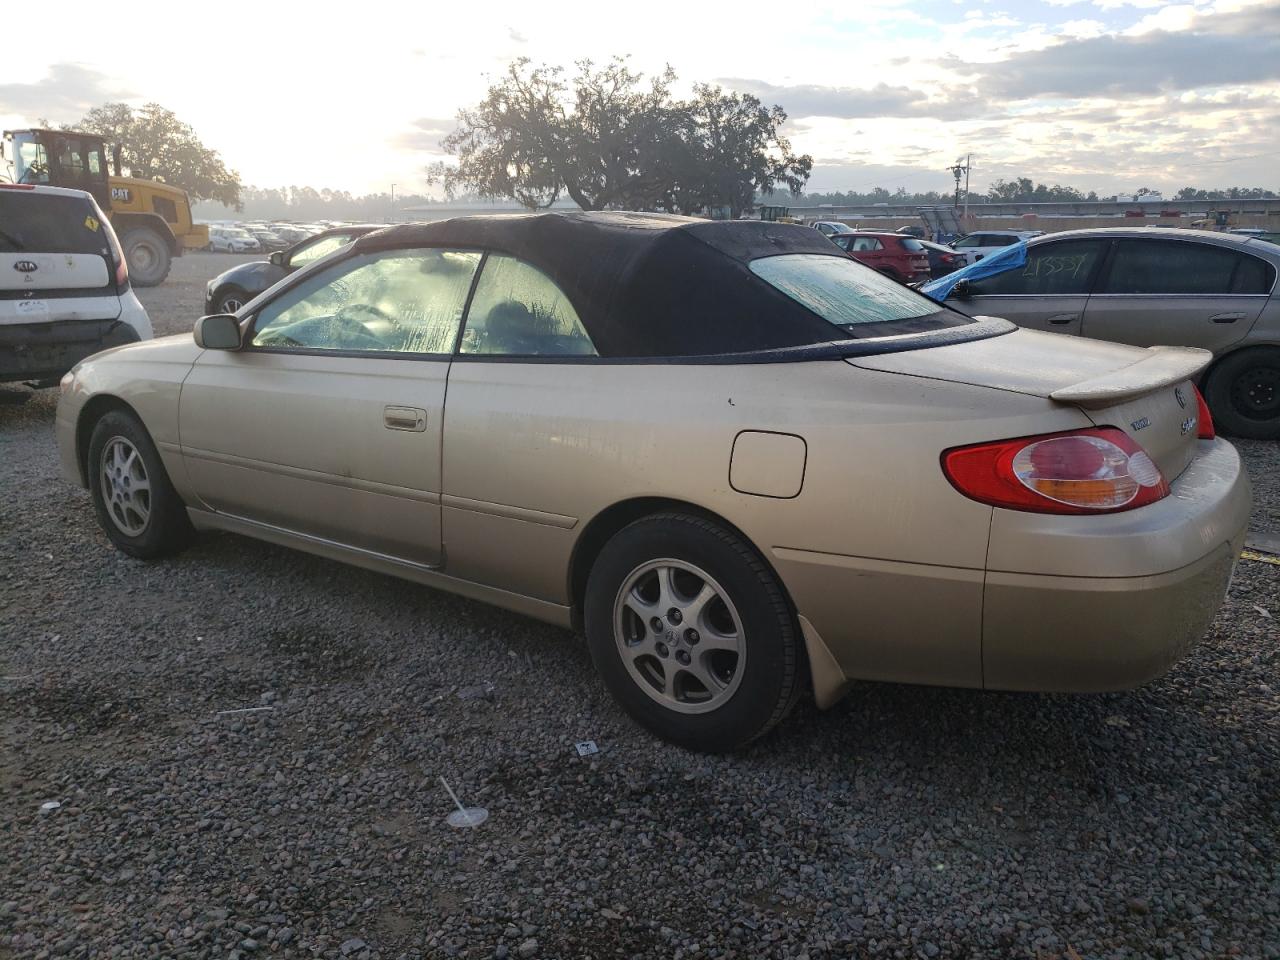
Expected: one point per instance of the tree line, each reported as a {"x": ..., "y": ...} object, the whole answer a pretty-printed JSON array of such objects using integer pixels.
[{"x": 603, "y": 137}]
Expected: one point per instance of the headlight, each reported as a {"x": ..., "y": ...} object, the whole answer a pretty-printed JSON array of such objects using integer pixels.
[{"x": 67, "y": 380}]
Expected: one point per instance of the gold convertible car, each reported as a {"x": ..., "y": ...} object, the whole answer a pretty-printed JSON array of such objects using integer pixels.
[{"x": 743, "y": 464}]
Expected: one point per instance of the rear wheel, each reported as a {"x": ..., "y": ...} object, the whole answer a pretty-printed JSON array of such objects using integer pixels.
[
  {"x": 136, "y": 505},
  {"x": 1243, "y": 393},
  {"x": 691, "y": 633},
  {"x": 147, "y": 255}
]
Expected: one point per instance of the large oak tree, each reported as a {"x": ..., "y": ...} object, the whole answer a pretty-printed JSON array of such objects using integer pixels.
[
  {"x": 607, "y": 138},
  {"x": 156, "y": 145}
]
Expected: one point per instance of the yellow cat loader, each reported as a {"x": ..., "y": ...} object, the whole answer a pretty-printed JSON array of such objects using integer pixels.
[{"x": 152, "y": 219}]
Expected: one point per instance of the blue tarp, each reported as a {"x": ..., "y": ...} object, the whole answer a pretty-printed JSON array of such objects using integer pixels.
[{"x": 1009, "y": 258}]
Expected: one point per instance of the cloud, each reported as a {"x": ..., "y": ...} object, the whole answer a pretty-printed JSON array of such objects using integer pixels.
[
  {"x": 1214, "y": 50},
  {"x": 425, "y": 135},
  {"x": 66, "y": 93},
  {"x": 850, "y": 103}
]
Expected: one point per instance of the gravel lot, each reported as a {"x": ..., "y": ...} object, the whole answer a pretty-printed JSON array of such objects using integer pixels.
[{"x": 907, "y": 822}]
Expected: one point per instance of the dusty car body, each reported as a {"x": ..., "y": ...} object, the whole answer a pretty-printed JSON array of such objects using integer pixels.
[{"x": 672, "y": 445}]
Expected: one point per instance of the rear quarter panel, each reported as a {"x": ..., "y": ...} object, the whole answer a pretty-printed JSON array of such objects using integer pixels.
[{"x": 877, "y": 550}]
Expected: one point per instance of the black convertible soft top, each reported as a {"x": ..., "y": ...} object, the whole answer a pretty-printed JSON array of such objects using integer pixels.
[{"x": 649, "y": 284}]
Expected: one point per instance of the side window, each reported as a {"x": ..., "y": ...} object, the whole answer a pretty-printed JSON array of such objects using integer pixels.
[
  {"x": 70, "y": 159},
  {"x": 318, "y": 248},
  {"x": 998, "y": 241},
  {"x": 518, "y": 311},
  {"x": 967, "y": 242},
  {"x": 402, "y": 301},
  {"x": 1253, "y": 276},
  {"x": 864, "y": 244},
  {"x": 1063, "y": 268},
  {"x": 1167, "y": 267}
]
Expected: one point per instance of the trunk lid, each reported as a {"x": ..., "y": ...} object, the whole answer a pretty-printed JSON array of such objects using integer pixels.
[
  {"x": 55, "y": 258},
  {"x": 1147, "y": 392}
]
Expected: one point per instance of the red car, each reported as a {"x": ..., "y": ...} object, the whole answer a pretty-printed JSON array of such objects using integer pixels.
[{"x": 903, "y": 258}]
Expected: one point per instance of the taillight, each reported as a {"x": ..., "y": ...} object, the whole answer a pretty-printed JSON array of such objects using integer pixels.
[
  {"x": 117, "y": 253},
  {"x": 1099, "y": 470},
  {"x": 1205, "y": 418}
]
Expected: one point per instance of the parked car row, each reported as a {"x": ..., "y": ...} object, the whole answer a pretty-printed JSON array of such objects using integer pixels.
[
  {"x": 1092, "y": 516},
  {"x": 255, "y": 235}
]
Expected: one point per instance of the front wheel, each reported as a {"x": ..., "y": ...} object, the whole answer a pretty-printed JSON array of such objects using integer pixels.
[
  {"x": 691, "y": 633},
  {"x": 136, "y": 505},
  {"x": 231, "y": 300},
  {"x": 1243, "y": 393},
  {"x": 147, "y": 255}
]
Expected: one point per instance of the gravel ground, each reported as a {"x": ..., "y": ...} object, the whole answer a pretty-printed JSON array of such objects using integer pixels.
[{"x": 906, "y": 822}]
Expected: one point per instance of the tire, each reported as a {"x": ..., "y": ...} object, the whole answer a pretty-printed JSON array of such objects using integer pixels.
[
  {"x": 745, "y": 693},
  {"x": 1243, "y": 393},
  {"x": 147, "y": 254},
  {"x": 147, "y": 527},
  {"x": 230, "y": 295}
]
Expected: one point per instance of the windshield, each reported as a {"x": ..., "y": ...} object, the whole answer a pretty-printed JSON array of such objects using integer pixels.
[{"x": 852, "y": 296}]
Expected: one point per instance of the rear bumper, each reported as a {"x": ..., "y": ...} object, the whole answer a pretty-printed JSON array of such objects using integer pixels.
[
  {"x": 1091, "y": 634},
  {"x": 45, "y": 351},
  {"x": 1158, "y": 575},
  {"x": 1092, "y": 604}
]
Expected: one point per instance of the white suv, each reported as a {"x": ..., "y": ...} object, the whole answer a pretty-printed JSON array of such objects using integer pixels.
[
  {"x": 977, "y": 245},
  {"x": 64, "y": 284}
]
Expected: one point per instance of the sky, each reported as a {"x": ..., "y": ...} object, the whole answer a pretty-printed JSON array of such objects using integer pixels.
[{"x": 1105, "y": 95}]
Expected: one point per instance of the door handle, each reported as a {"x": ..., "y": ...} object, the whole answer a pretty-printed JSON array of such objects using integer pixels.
[
  {"x": 1226, "y": 317},
  {"x": 404, "y": 418},
  {"x": 1062, "y": 318}
]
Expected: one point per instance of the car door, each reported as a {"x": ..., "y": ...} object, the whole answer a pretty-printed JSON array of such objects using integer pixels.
[
  {"x": 1177, "y": 291},
  {"x": 1049, "y": 293},
  {"x": 327, "y": 423},
  {"x": 523, "y": 398},
  {"x": 870, "y": 250}
]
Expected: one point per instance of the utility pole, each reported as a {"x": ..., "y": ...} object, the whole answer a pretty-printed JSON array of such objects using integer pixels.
[
  {"x": 393, "y": 203},
  {"x": 959, "y": 170}
]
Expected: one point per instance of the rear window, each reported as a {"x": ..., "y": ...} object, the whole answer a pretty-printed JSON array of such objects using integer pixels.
[
  {"x": 44, "y": 223},
  {"x": 853, "y": 297},
  {"x": 912, "y": 244},
  {"x": 1184, "y": 267}
]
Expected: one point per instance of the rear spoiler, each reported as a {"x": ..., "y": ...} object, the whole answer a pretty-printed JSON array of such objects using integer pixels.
[{"x": 1161, "y": 367}]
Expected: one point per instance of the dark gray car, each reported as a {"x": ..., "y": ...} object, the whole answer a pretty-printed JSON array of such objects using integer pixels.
[
  {"x": 1142, "y": 286},
  {"x": 232, "y": 289}
]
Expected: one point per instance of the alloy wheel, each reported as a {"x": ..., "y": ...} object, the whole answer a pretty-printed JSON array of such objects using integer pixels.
[
  {"x": 126, "y": 488},
  {"x": 679, "y": 636}
]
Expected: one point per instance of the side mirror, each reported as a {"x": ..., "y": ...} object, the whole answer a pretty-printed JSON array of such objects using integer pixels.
[
  {"x": 963, "y": 290},
  {"x": 277, "y": 258},
  {"x": 218, "y": 331}
]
